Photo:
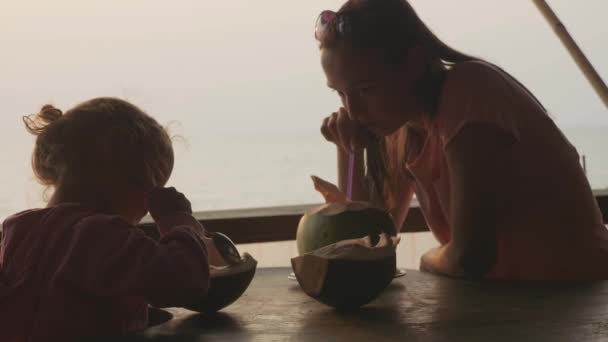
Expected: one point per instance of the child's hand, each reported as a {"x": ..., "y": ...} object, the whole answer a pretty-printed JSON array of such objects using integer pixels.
[
  {"x": 346, "y": 133},
  {"x": 167, "y": 201}
]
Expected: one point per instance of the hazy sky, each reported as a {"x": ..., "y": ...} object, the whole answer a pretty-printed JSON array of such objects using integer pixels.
[
  {"x": 235, "y": 72},
  {"x": 215, "y": 59}
]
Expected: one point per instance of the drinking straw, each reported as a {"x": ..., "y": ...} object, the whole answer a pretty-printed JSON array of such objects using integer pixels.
[{"x": 349, "y": 181}]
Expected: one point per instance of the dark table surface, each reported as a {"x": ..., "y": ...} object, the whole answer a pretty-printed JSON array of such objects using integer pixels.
[{"x": 417, "y": 307}]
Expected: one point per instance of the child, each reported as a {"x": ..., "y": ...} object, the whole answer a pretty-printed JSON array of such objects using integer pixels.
[
  {"x": 500, "y": 186},
  {"x": 79, "y": 267}
]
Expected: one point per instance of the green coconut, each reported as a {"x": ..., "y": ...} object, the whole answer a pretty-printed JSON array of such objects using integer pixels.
[
  {"x": 348, "y": 274},
  {"x": 334, "y": 222}
]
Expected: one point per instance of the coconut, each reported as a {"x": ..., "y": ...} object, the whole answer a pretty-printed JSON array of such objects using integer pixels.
[
  {"x": 348, "y": 274},
  {"x": 229, "y": 277},
  {"x": 334, "y": 222}
]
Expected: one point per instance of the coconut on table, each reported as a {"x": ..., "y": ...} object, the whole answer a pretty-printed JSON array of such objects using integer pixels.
[
  {"x": 347, "y": 252},
  {"x": 349, "y": 273},
  {"x": 230, "y": 275},
  {"x": 335, "y": 222}
]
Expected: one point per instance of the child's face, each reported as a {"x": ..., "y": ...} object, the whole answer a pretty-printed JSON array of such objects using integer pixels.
[
  {"x": 127, "y": 195},
  {"x": 129, "y": 203},
  {"x": 378, "y": 95}
]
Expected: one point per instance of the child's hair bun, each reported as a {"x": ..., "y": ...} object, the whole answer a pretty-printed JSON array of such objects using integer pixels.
[{"x": 37, "y": 123}]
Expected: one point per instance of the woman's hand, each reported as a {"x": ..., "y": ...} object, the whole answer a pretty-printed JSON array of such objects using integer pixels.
[
  {"x": 350, "y": 137},
  {"x": 442, "y": 260},
  {"x": 346, "y": 133},
  {"x": 430, "y": 261}
]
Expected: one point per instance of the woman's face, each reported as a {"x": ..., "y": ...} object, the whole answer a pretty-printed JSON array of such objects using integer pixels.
[{"x": 377, "y": 94}]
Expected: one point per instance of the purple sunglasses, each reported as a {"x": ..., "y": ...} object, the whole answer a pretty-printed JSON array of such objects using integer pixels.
[{"x": 330, "y": 25}]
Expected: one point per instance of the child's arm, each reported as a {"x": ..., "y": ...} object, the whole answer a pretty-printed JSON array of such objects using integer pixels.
[{"x": 108, "y": 257}]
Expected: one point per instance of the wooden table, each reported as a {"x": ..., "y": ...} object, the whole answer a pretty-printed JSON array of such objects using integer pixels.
[{"x": 417, "y": 307}]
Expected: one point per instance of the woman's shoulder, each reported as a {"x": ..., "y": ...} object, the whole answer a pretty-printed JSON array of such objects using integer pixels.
[
  {"x": 473, "y": 77},
  {"x": 486, "y": 83},
  {"x": 477, "y": 92},
  {"x": 473, "y": 68}
]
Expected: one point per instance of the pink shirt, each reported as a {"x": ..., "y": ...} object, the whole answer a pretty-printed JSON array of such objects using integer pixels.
[
  {"x": 550, "y": 226},
  {"x": 68, "y": 272}
]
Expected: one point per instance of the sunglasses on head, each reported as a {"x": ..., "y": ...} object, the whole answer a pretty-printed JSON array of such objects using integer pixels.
[{"x": 331, "y": 25}]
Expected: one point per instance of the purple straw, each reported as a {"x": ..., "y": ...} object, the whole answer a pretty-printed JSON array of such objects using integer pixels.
[{"x": 349, "y": 181}]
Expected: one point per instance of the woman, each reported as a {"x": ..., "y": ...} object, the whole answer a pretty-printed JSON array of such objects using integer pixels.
[{"x": 500, "y": 186}]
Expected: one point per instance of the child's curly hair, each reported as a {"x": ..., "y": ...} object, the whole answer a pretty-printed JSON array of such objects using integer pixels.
[{"x": 102, "y": 133}]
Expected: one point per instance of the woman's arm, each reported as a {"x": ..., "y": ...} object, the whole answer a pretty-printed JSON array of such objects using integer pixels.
[
  {"x": 402, "y": 206},
  {"x": 472, "y": 158}
]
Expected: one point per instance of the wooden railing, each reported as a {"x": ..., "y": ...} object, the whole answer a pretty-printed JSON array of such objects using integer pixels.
[
  {"x": 269, "y": 224},
  {"x": 280, "y": 223}
]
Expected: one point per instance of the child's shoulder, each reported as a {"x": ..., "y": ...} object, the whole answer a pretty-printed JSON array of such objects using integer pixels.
[
  {"x": 61, "y": 217},
  {"x": 24, "y": 217},
  {"x": 84, "y": 217}
]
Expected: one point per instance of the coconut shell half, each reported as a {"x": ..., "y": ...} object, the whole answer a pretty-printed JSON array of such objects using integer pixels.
[
  {"x": 348, "y": 274},
  {"x": 226, "y": 285},
  {"x": 334, "y": 222}
]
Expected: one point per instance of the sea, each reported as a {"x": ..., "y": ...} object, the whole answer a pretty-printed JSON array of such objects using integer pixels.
[{"x": 257, "y": 168}]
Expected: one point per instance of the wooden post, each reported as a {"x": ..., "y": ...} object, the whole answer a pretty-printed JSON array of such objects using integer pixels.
[{"x": 577, "y": 54}]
